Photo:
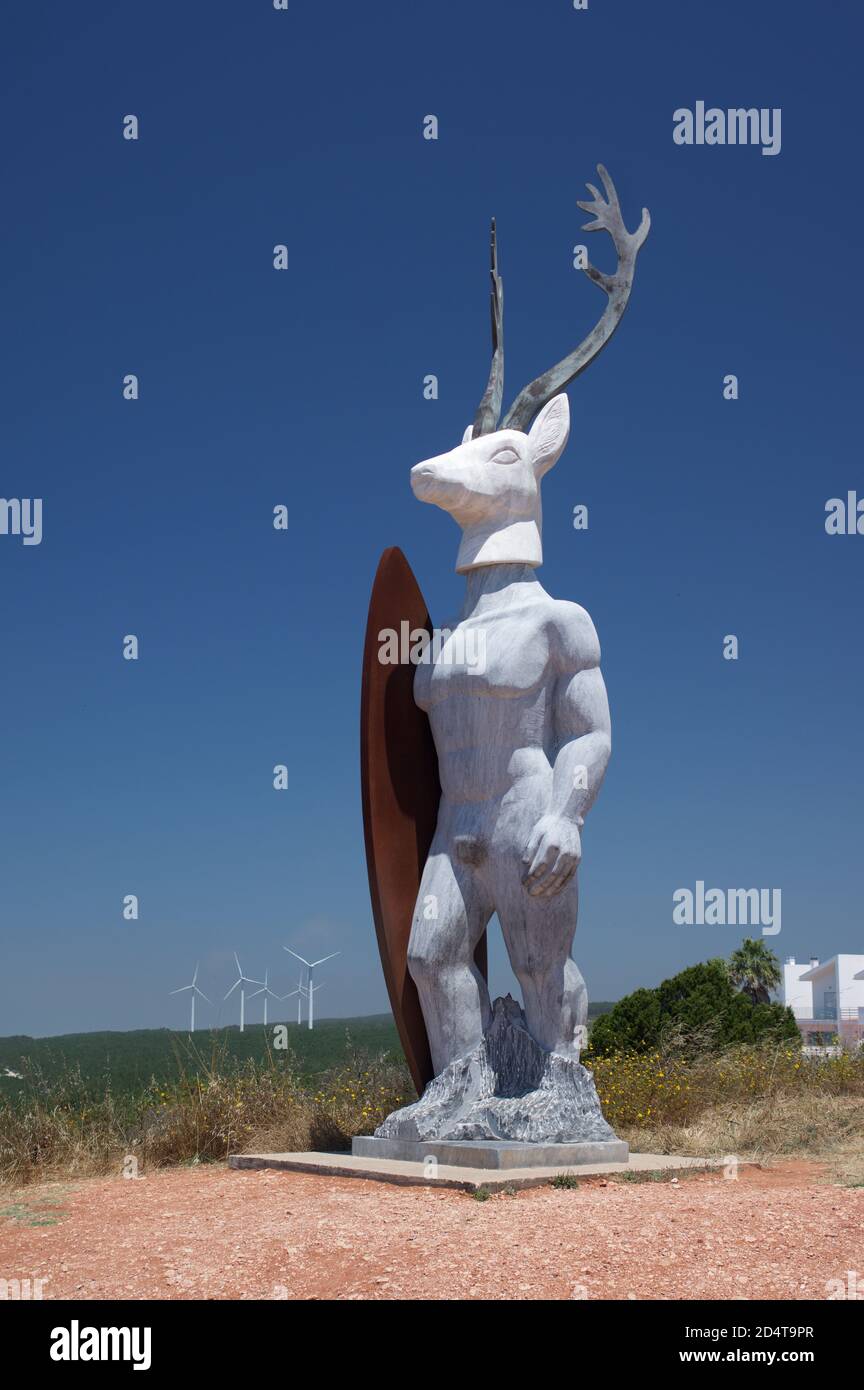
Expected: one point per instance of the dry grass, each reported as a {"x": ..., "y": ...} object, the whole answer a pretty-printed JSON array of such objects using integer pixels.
[
  {"x": 756, "y": 1103},
  {"x": 830, "y": 1128},
  {"x": 61, "y": 1128}
]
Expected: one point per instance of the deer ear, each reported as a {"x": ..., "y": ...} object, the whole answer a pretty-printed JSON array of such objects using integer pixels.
[
  {"x": 469, "y": 434},
  {"x": 548, "y": 434}
]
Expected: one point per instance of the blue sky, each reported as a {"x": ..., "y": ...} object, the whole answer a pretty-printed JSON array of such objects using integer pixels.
[{"x": 304, "y": 387}]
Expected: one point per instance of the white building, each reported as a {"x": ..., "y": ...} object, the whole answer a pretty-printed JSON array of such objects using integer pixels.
[
  {"x": 795, "y": 993},
  {"x": 827, "y": 998}
]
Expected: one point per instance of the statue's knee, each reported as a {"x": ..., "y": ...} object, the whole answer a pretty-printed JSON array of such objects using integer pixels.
[
  {"x": 423, "y": 963},
  {"x": 434, "y": 960}
]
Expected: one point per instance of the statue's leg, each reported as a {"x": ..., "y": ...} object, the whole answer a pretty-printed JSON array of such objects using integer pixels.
[
  {"x": 539, "y": 933},
  {"x": 450, "y": 916}
]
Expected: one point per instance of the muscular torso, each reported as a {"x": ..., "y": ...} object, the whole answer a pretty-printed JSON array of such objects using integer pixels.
[{"x": 490, "y": 696}]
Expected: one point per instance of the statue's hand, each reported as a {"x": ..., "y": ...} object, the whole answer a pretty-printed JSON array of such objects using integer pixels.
[{"x": 551, "y": 856}]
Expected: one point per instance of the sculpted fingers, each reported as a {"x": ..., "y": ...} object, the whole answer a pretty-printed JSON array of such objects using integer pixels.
[
  {"x": 534, "y": 880},
  {"x": 558, "y": 879},
  {"x": 541, "y": 863},
  {"x": 536, "y": 856},
  {"x": 552, "y": 855},
  {"x": 532, "y": 846}
]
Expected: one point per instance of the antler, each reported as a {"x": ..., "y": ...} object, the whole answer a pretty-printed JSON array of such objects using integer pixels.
[
  {"x": 607, "y": 217},
  {"x": 486, "y": 419}
]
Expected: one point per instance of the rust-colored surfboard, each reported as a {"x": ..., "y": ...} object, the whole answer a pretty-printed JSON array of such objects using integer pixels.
[{"x": 401, "y": 792}]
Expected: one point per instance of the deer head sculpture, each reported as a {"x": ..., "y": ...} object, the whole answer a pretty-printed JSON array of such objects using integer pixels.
[{"x": 490, "y": 483}]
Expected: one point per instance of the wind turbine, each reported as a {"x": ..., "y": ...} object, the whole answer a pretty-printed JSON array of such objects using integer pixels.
[
  {"x": 267, "y": 991},
  {"x": 241, "y": 981},
  {"x": 300, "y": 991},
  {"x": 310, "y": 966},
  {"x": 312, "y": 990},
  {"x": 195, "y": 990}
]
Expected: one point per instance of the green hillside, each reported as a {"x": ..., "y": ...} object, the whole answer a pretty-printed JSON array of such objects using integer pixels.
[{"x": 129, "y": 1060}]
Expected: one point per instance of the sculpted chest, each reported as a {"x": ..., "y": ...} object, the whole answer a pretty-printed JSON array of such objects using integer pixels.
[{"x": 505, "y": 655}]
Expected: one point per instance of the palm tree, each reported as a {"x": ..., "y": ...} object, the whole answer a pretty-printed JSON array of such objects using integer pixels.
[{"x": 755, "y": 970}]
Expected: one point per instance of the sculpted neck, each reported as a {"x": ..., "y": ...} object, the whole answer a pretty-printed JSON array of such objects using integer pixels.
[
  {"x": 494, "y": 543},
  {"x": 497, "y": 586}
]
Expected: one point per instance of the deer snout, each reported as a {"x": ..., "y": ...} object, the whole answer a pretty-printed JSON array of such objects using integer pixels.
[{"x": 426, "y": 481}]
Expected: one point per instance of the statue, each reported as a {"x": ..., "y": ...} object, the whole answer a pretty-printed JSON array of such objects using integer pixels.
[{"x": 522, "y": 742}]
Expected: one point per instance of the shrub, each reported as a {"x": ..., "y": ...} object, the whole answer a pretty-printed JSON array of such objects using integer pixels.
[
  {"x": 655, "y": 1088},
  {"x": 699, "y": 1009}
]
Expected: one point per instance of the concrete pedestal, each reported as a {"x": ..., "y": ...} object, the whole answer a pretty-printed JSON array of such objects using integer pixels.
[
  {"x": 431, "y": 1173},
  {"x": 500, "y": 1154}
]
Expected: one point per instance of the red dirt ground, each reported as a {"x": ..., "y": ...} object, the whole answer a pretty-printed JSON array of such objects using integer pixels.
[{"x": 214, "y": 1233}]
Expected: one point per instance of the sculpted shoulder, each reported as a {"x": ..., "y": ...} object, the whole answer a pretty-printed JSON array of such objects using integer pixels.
[{"x": 573, "y": 636}]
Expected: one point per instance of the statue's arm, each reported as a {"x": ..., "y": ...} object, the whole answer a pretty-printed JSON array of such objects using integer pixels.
[
  {"x": 584, "y": 732},
  {"x": 583, "y": 743}
]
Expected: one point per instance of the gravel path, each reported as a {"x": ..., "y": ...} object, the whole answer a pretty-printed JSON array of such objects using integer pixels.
[{"x": 778, "y": 1233}]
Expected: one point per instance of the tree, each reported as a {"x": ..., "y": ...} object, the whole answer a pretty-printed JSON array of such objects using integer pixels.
[
  {"x": 699, "y": 1010},
  {"x": 631, "y": 1025},
  {"x": 754, "y": 970}
]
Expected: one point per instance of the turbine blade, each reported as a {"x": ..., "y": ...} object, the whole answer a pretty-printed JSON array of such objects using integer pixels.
[
  {"x": 332, "y": 956},
  {"x": 204, "y": 996},
  {"x": 181, "y": 990},
  {"x": 296, "y": 957},
  {"x": 195, "y": 976},
  {"x": 233, "y": 987}
]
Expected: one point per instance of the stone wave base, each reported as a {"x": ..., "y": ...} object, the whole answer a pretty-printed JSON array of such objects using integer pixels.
[{"x": 508, "y": 1089}]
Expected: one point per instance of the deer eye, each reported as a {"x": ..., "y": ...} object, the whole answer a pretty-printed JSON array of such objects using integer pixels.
[{"x": 505, "y": 455}]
